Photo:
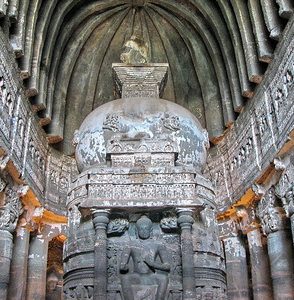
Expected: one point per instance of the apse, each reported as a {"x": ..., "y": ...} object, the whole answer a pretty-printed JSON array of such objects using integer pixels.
[{"x": 217, "y": 51}]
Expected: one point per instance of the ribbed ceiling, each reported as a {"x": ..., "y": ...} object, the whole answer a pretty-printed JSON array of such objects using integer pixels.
[{"x": 217, "y": 50}]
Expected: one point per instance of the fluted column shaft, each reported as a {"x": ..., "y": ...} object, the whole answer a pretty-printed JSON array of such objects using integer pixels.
[
  {"x": 260, "y": 269},
  {"x": 185, "y": 221},
  {"x": 19, "y": 263},
  {"x": 100, "y": 221}
]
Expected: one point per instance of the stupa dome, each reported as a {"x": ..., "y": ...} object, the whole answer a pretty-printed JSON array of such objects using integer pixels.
[{"x": 160, "y": 125}]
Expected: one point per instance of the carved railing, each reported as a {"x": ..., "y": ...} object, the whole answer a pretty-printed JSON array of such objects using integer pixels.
[{"x": 241, "y": 157}]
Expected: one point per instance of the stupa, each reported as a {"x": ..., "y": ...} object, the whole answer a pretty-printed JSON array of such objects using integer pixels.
[{"x": 141, "y": 213}]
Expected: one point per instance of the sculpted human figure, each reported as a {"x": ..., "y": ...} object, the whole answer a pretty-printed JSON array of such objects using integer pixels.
[{"x": 150, "y": 265}]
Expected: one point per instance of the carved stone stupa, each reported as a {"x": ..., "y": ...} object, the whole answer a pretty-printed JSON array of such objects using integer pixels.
[{"x": 141, "y": 214}]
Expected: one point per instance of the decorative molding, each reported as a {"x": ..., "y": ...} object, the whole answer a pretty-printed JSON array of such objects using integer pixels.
[{"x": 270, "y": 213}]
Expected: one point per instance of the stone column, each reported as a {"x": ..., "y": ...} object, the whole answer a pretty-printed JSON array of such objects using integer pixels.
[
  {"x": 6, "y": 245},
  {"x": 100, "y": 221},
  {"x": 280, "y": 248},
  {"x": 185, "y": 221},
  {"x": 236, "y": 263},
  {"x": 37, "y": 260},
  {"x": 9, "y": 214},
  {"x": 19, "y": 263},
  {"x": 37, "y": 268},
  {"x": 260, "y": 269}
]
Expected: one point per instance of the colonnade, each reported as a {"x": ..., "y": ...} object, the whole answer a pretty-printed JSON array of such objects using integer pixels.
[
  {"x": 23, "y": 246},
  {"x": 258, "y": 247}
]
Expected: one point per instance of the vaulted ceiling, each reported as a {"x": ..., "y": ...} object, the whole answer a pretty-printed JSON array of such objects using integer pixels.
[{"x": 218, "y": 51}]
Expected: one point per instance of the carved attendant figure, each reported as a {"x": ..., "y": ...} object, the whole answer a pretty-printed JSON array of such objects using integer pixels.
[{"x": 150, "y": 266}]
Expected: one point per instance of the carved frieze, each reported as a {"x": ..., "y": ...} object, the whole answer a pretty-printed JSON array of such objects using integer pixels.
[
  {"x": 79, "y": 292},
  {"x": 169, "y": 223},
  {"x": 261, "y": 130},
  {"x": 123, "y": 188},
  {"x": 117, "y": 226},
  {"x": 35, "y": 159},
  {"x": 60, "y": 171},
  {"x": 162, "y": 146},
  {"x": 281, "y": 91},
  {"x": 140, "y": 82}
]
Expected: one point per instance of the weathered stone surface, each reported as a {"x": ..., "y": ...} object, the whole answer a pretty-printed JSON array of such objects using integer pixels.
[
  {"x": 19, "y": 264},
  {"x": 208, "y": 85},
  {"x": 141, "y": 170}
]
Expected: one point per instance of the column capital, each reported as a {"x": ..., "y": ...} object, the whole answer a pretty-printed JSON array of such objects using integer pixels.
[
  {"x": 285, "y": 186},
  {"x": 185, "y": 210},
  {"x": 185, "y": 217},
  {"x": 271, "y": 215},
  {"x": 288, "y": 201},
  {"x": 100, "y": 211},
  {"x": 100, "y": 218},
  {"x": 247, "y": 218},
  {"x": 12, "y": 208}
]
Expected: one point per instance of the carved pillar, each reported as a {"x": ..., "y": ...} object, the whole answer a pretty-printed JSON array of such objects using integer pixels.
[
  {"x": 185, "y": 221},
  {"x": 9, "y": 214},
  {"x": 100, "y": 221},
  {"x": 6, "y": 245},
  {"x": 260, "y": 269},
  {"x": 37, "y": 267},
  {"x": 37, "y": 260},
  {"x": 274, "y": 225},
  {"x": 236, "y": 264},
  {"x": 19, "y": 263}
]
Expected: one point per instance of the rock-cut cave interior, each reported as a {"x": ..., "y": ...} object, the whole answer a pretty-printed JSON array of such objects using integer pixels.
[{"x": 146, "y": 149}]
